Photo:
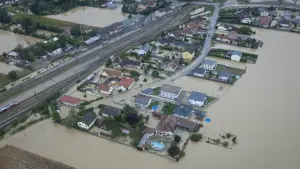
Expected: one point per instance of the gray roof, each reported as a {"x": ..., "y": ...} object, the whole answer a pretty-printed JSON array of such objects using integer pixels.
[
  {"x": 197, "y": 96},
  {"x": 127, "y": 62},
  {"x": 147, "y": 91},
  {"x": 112, "y": 111},
  {"x": 209, "y": 62},
  {"x": 142, "y": 100},
  {"x": 146, "y": 47},
  {"x": 170, "y": 89},
  {"x": 234, "y": 52},
  {"x": 224, "y": 73},
  {"x": 199, "y": 71},
  {"x": 183, "y": 110},
  {"x": 88, "y": 118},
  {"x": 200, "y": 114}
]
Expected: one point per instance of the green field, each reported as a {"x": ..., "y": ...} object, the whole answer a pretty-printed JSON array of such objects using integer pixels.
[
  {"x": 233, "y": 70},
  {"x": 42, "y": 20}
]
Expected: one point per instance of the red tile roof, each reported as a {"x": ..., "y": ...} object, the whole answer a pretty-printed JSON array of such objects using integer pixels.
[
  {"x": 264, "y": 20},
  {"x": 112, "y": 72},
  {"x": 126, "y": 82},
  {"x": 104, "y": 87},
  {"x": 70, "y": 100}
]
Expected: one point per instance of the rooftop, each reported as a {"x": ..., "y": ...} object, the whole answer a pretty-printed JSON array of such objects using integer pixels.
[
  {"x": 200, "y": 114},
  {"x": 70, "y": 100},
  {"x": 127, "y": 62},
  {"x": 197, "y": 96},
  {"x": 112, "y": 111},
  {"x": 170, "y": 89},
  {"x": 224, "y": 73},
  {"x": 88, "y": 118},
  {"x": 209, "y": 62},
  {"x": 234, "y": 52},
  {"x": 126, "y": 82},
  {"x": 199, "y": 71},
  {"x": 183, "y": 110},
  {"x": 142, "y": 100},
  {"x": 112, "y": 72}
]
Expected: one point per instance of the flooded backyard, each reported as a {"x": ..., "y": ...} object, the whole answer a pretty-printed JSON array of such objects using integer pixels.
[
  {"x": 261, "y": 109},
  {"x": 92, "y": 16}
]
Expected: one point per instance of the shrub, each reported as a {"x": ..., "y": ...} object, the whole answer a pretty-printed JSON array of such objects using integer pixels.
[
  {"x": 225, "y": 144},
  {"x": 173, "y": 151},
  {"x": 196, "y": 137},
  {"x": 228, "y": 135},
  {"x": 234, "y": 140},
  {"x": 177, "y": 138}
]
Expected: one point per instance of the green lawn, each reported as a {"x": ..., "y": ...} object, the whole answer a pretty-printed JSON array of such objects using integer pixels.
[
  {"x": 218, "y": 1},
  {"x": 156, "y": 91},
  {"x": 168, "y": 108},
  {"x": 4, "y": 80},
  {"x": 153, "y": 103},
  {"x": 42, "y": 20},
  {"x": 210, "y": 99},
  {"x": 235, "y": 71}
]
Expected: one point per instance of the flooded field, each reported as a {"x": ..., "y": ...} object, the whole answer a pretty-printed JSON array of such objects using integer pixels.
[
  {"x": 92, "y": 16},
  {"x": 261, "y": 109},
  {"x": 9, "y": 40},
  {"x": 5, "y": 68}
]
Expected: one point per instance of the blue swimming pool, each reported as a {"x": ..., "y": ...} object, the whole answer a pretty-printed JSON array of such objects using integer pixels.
[{"x": 155, "y": 145}]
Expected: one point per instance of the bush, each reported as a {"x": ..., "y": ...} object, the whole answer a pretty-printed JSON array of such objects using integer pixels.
[
  {"x": 196, "y": 137},
  {"x": 177, "y": 138},
  {"x": 145, "y": 80},
  {"x": 228, "y": 135},
  {"x": 225, "y": 144},
  {"x": 234, "y": 140},
  {"x": 173, "y": 151}
]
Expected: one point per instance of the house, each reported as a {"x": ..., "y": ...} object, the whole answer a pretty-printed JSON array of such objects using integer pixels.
[
  {"x": 169, "y": 123},
  {"x": 142, "y": 101},
  {"x": 263, "y": 12},
  {"x": 224, "y": 75},
  {"x": 111, "y": 73},
  {"x": 169, "y": 91},
  {"x": 147, "y": 91},
  {"x": 209, "y": 64},
  {"x": 105, "y": 88},
  {"x": 70, "y": 101},
  {"x": 109, "y": 111},
  {"x": 246, "y": 20},
  {"x": 183, "y": 111},
  {"x": 172, "y": 66},
  {"x": 188, "y": 55},
  {"x": 160, "y": 13},
  {"x": 264, "y": 21},
  {"x": 286, "y": 15},
  {"x": 225, "y": 27},
  {"x": 199, "y": 72},
  {"x": 197, "y": 98},
  {"x": 145, "y": 49},
  {"x": 125, "y": 84},
  {"x": 131, "y": 63},
  {"x": 200, "y": 115},
  {"x": 225, "y": 39},
  {"x": 234, "y": 55},
  {"x": 284, "y": 23},
  {"x": 87, "y": 120}
]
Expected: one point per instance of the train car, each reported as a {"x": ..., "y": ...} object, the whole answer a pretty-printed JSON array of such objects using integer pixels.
[{"x": 8, "y": 106}]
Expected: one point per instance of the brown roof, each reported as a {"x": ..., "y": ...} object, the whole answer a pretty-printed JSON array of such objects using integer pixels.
[
  {"x": 264, "y": 20},
  {"x": 104, "y": 87},
  {"x": 126, "y": 82},
  {"x": 112, "y": 72},
  {"x": 167, "y": 123},
  {"x": 15, "y": 158}
]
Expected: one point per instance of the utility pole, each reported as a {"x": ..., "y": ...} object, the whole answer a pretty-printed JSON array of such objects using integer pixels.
[
  {"x": 81, "y": 34},
  {"x": 35, "y": 94}
]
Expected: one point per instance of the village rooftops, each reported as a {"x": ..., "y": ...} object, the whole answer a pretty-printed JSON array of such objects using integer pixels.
[
  {"x": 170, "y": 89},
  {"x": 88, "y": 118},
  {"x": 14, "y": 158},
  {"x": 111, "y": 111}
]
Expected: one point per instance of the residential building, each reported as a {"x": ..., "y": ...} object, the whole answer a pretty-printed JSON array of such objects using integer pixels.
[
  {"x": 111, "y": 73},
  {"x": 284, "y": 23},
  {"x": 70, "y": 101},
  {"x": 200, "y": 115},
  {"x": 169, "y": 91},
  {"x": 142, "y": 101},
  {"x": 197, "y": 98},
  {"x": 224, "y": 75},
  {"x": 125, "y": 84},
  {"x": 131, "y": 63},
  {"x": 147, "y": 91},
  {"x": 264, "y": 21},
  {"x": 169, "y": 123},
  {"x": 209, "y": 64},
  {"x": 263, "y": 12},
  {"x": 183, "y": 111},
  {"x": 225, "y": 27},
  {"x": 224, "y": 39},
  {"x": 172, "y": 66},
  {"x": 199, "y": 72},
  {"x": 87, "y": 120},
  {"x": 286, "y": 15},
  {"x": 145, "y": 49},
  {"x": 234, "y": 55},
  {"x": 105, "y": 88},
  {"x": 109, "y": 111},
  {"x": 246, "y": 20}
]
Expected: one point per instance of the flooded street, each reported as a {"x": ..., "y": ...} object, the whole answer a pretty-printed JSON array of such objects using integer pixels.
[
  {"x": 92, "y": 16},
  {"x": 261, "y": 109}
]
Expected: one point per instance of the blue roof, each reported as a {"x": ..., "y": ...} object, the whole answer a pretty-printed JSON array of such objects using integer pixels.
[
  {"x": 224, "y": 73},
  {"x": 209, "y": 62},
  {"x": 234, "y": 52},
  {"x": 199, "y": 71},
  {"x": 197, "y": 96},
  {"x": 147, "y": 91},
  {"x": 146, "y": 47},
  {"x": 183, "y": 110}
]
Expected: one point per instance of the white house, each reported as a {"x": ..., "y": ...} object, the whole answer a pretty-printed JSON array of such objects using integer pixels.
[
  {"x": 169, "y": 91},
  {"x": 246, "y": 20},
  {"x": 235, "y": 55},
  {"x": 88, "y": 119},
  {"x": 224, "y": 75},
  {"x": 222, "y": 27},
  {"x": 209, "y": 64},
  {"x": 197, "y": 98},
  {"x": 160, "y": 13}
]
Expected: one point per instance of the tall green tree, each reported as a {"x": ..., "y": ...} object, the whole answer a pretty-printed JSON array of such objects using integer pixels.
[
  {"x": 13, "y": 75},
  {"x": 4, "y": 16}
]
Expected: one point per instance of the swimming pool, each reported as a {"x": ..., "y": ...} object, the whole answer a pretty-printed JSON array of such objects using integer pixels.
[{"x": 155, "y": 145}]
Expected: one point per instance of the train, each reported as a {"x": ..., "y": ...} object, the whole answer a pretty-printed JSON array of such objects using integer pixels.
[{"x": 7, "y": 107}]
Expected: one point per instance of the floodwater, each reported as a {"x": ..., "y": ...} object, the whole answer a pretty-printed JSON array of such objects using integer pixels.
[
  {"x": 261, "y": 109},
  {"x": 5, "y": 68},
  {"x": 92, "y": 16},
  {"x": 9, "y": 40}
]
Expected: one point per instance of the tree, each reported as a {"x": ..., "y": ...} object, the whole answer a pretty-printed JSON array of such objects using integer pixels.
[
  {"x": 228, "y": 135},
  {"x": 216, "y": 141},
  {"x": 295, "y": 3},
  {"x": 4, "y": 54},
  {"x": 196, "y": 137},
  {"x": 108, "y": 63},
  {"x": 134, "y": 74},
  {"x": 173, "y": 151},
  {"x": 75, "y": 30},
  {"x": 245, "y": 30},
  {"x": 146, "y": 70},
  {"x": 4, "y": 16},
  {"x": 234, "y": 140},
  {"x": 13, "y": 75},
  {"x": 55, "y": 116},
  {"x": 114, "y": 127},
  {"x": 70, "y": 121},
  {"x": 225, "y": 144},
  {"x": 177, "y": 138},
  {"x": 129, "y": 110},
  {"x": 145, "y": 80},
  {"x": 155, "y": 73}
]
